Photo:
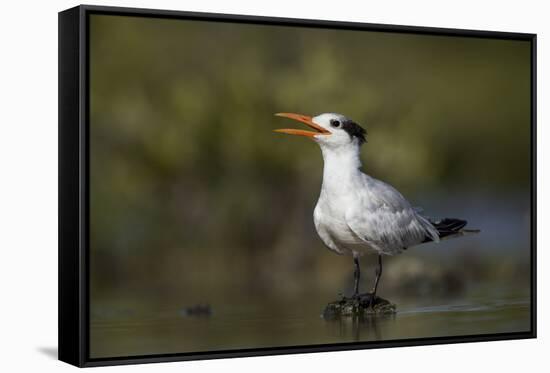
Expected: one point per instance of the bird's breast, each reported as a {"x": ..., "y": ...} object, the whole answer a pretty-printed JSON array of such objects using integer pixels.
[{"x": 330, "y": 223}]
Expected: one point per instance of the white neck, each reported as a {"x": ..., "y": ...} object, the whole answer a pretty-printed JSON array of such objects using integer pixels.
[{"x": 341, "y": 166}]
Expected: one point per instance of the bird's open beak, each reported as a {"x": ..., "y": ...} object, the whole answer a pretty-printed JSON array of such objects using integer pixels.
[{"x": 306, "y": 120}]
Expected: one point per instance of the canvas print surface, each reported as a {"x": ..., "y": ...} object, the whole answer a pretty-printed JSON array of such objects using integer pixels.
[{"x": 211, "y": 232}]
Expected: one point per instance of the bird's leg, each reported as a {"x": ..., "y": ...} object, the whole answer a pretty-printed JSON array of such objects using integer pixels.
[
  {"x": 356, "y": 276},
  {"x": 378, "y": 275}
]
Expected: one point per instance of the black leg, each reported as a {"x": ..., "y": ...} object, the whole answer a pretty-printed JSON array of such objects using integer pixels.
[
  {"x": 378, "y": 275},
  {"x": 356, "y": 276}
]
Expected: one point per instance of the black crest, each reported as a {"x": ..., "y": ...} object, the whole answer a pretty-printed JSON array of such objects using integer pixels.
[{"x": 354, "y": 130}]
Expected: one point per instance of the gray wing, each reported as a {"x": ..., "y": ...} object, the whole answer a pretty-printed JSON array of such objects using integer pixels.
[{"x": 385, "y": 219}]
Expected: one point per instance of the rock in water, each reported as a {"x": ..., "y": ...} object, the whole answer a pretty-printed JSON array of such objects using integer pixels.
[{"x": 363, "y": 305}]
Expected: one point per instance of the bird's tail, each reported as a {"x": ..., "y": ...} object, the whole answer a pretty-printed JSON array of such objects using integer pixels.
[{"x": 450, "y": 228}]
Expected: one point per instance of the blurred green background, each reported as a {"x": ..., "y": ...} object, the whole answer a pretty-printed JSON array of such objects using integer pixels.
[{"x": 194, "y": 200}]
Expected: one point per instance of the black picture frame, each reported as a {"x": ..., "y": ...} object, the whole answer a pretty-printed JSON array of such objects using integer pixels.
[{"x": 74, "y": 184}]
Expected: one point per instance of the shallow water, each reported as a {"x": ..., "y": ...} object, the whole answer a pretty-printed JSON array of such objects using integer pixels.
[{"x": 120, "y": 331}]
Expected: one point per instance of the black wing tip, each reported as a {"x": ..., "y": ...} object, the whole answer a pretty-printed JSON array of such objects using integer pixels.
[{"x": 449, "y": 226}]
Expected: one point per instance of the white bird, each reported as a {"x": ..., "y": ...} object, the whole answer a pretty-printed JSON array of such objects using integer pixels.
[{"x": 357, "y": 214}]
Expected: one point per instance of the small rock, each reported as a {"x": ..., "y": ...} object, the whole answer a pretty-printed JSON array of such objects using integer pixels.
[
  {"x": 364, "y": 305},
  {"x": 196, "y": 310}
]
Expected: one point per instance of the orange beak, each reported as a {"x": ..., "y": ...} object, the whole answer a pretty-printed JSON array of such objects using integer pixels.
[{"x": 307, "y": 121}]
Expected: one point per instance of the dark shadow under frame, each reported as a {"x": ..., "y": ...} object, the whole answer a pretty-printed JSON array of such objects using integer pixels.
[{"x": 73, "y": 317}]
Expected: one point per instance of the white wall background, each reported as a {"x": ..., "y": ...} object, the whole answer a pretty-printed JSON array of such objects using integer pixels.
[{"x": 28, "y": 183}]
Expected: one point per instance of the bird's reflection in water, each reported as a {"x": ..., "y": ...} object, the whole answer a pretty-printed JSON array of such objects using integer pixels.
[{"x": 358, "y": 328}]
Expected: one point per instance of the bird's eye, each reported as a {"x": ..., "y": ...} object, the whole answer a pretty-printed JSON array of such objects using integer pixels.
[{"x": 335, "y": 123}]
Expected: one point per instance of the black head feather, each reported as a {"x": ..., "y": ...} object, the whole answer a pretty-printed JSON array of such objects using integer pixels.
[{"x": 354, "y": 130}]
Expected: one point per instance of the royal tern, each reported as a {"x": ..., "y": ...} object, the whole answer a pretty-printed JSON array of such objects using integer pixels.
[{"x": 357, "y": 214}]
